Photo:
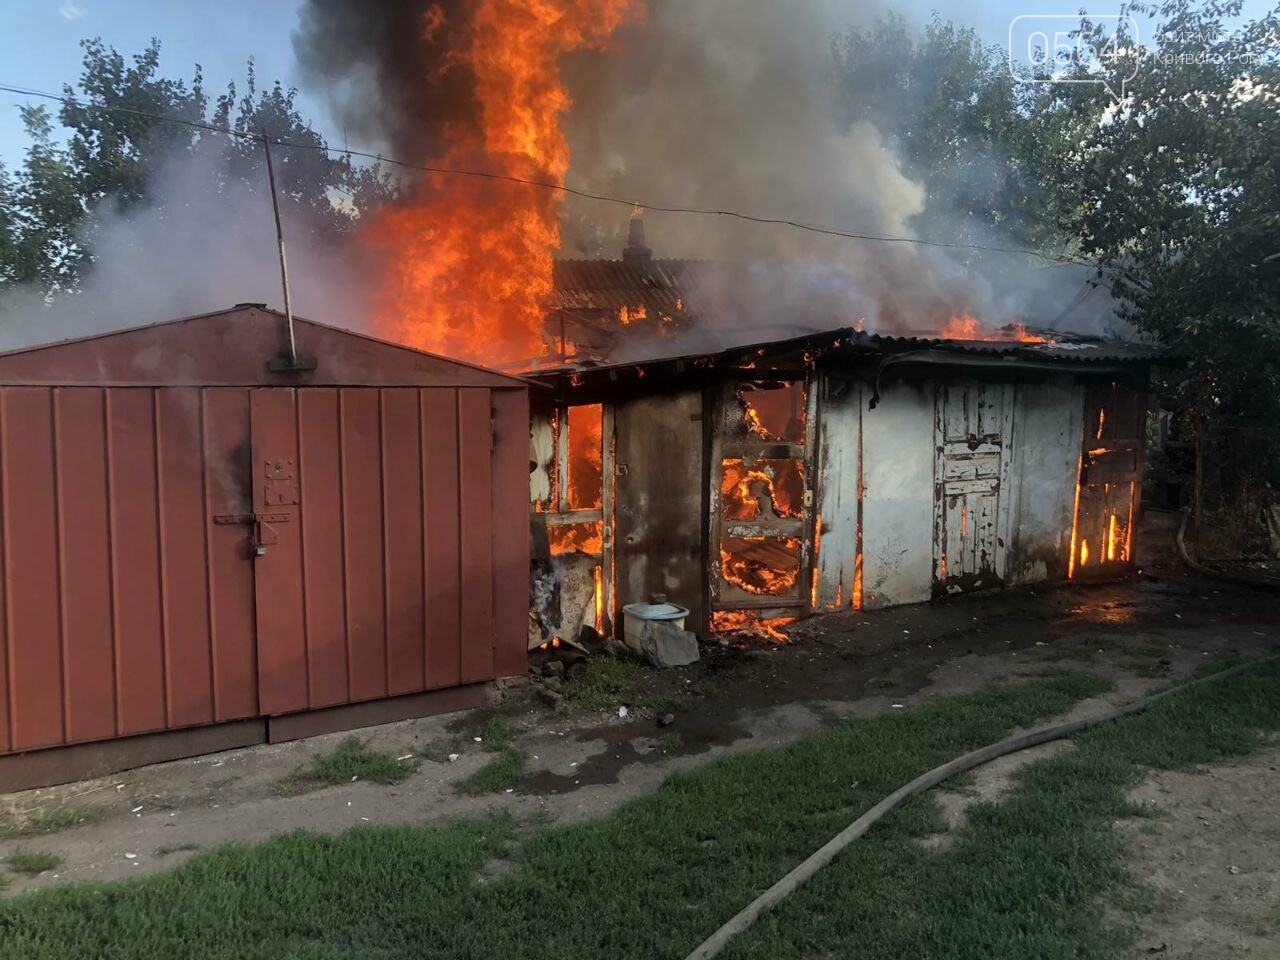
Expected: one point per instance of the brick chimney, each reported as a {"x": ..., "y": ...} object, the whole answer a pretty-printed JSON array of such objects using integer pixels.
[{"x": 636, "y": 252}]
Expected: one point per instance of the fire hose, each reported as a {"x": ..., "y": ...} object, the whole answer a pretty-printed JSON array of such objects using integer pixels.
[
  {"x": 1181, "y": 543},
  {"x": 828, "y": 852}
]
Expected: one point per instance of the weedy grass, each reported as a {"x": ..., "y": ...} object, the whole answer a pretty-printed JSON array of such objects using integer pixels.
[
  {"x": 40, "y": 821},
  {"x": 605, "y": 683},
  {"x": 32, "y": 862},
  {"x": 350, "y": 760},
  {"x": 662, "y": 702},
  {"x": 179, "y": 848},
  {"x": 501, "y": 773},
  {"x": 496, "y": 734},
  {"x": 1029, "y": 876}
]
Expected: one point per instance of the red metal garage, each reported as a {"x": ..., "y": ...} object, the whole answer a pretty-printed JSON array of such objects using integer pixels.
[{"x": 197, "y": 536}]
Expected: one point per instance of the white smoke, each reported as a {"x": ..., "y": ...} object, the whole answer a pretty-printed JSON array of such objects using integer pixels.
[
  {"x": 203, "y": 242},
  {"x": 729, "y": 105}
]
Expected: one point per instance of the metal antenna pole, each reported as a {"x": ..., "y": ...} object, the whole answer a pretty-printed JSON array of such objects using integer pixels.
[{"x": 284, "y": 266}]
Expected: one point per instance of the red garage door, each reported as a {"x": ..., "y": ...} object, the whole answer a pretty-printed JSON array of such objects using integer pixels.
[
  {"x": 360, "y": 500},
  {"x": 179, "y": 556}
]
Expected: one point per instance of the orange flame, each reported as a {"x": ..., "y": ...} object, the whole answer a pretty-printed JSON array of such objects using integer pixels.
[
  {"x": 586, "y": 480},
  {"x": 745, "y": 623},
  {"x": 764, "y": 566},
  {"x": 469, "y": 258},
  {"x": 599, "y": 595},
  {"x": 965, "y": 326},
  {"x": 744, "y": 489},
  {"x": 587, "y": 537}
]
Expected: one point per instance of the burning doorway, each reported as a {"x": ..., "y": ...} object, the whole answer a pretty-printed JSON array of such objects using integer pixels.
[
  {"x": 1109, "y": 481},
  {"x": 569, "y": 461},
  {"x": 760, "y": 498},
  {"x": 659, "y": 495}
]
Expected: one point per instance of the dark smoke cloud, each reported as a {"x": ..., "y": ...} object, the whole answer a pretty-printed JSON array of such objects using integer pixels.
[
  {"x": 727, "y": 104},
  {"x": 387, "y": 70}
]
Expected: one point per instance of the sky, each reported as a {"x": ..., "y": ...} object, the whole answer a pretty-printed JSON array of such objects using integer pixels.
[{"x": 39, "y": 42}]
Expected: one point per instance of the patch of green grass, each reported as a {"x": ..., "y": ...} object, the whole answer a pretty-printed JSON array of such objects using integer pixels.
[
  {"x": 1029, "y": 876},
  {"x": 179, "y": 848},
  {"x": 351, "y": 760},
  {"x": 606, "y": 682},
  {"x": 501, "y": 773},
  {"x": 4, "y": 882},
  {"x": 672, "y": 741},
  {"x": 31, "y": 862},
  {"x": 707, "y": 688},
  {"x": 496, "y": 734},
  {"x": 41, "y": 821},
  {"x": 1148, "y": 669},
  {"x": 662, "y": 702}
]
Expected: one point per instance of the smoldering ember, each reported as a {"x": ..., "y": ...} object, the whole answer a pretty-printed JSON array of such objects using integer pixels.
[{"x": 636, "y": 478}]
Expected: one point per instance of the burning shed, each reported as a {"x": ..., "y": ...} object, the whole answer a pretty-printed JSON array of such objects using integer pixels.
[
  {"x": 208, "y": 543},
  {"x": 836, "y": 470}
]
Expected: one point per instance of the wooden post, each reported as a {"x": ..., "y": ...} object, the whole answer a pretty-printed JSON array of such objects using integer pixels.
[
  {"x": 1196, "y": 492},
  {"x": 284, "y": 267}
]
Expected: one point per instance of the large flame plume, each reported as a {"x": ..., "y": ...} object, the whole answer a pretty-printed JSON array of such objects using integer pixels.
[{"x": 469, "y": 259}]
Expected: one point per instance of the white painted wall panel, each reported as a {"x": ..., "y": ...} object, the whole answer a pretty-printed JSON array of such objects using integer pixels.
[
  {"x": 836, "y": 491},
  {"x": 1046, "y": 453},
  {"x": 898, "y": 500}
]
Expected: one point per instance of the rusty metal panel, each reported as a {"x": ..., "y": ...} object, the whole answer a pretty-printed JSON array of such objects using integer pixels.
[
  {"x": 277, "y": 562},
  {"x": 324, "y": 559},
  {"x": 659, "y": 508},
  {"x": 362, "y": 530},
  {"x": 135, "y": 560},
  {"x": 402, "y": 541},
  {"x": 31, "y": 567},
  {"x": 475, "y": 466},
  {"x": 188, "y": 650},
  {"x": 510, "y": 531},
  {"x": 442, "y": 532},
  {"x": 85, "y": 575},
  {"x": 229, "y": 551}
]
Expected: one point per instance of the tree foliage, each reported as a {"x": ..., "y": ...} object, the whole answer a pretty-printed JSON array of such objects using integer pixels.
[
  {"x": 1181, "y": 183},
  {"x": 1174, "y": 191},
  {"x": 126, "y": 128}
]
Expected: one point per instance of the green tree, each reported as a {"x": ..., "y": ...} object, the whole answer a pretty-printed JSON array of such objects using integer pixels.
[
  {"x": 126, "y": 126},
  {"x": 1181, "y": 196},
  {"x": 984, "y": 146},
  {"x": 40, "y": 209}
]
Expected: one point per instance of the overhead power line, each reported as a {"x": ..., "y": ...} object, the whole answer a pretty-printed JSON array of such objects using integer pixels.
[{"x": 558, "y": 187}]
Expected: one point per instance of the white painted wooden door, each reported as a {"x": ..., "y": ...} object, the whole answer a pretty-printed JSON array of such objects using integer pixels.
[{"x": 973, "y": 423}]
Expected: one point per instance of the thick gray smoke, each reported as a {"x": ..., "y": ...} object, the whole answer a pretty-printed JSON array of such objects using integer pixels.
[
  {"x": 723, "y": 104},
  {"x": 387, "y": 69},
  {"x": 728, "y": 104}
]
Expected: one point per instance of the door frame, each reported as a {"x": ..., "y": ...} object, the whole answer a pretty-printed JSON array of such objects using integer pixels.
[{"x": 944, "y": 581}]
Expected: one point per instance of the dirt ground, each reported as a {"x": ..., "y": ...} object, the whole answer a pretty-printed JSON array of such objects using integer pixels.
[
  {"x": 1146, "y": 630},
  {"x": 1210, "y": 853}
]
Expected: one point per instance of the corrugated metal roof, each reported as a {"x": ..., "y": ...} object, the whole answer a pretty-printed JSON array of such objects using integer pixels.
[
  {"x": 1061, "y": 348},
  {"x": 610, "y": 285},
  {"x": 1057, "y": 346}
]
